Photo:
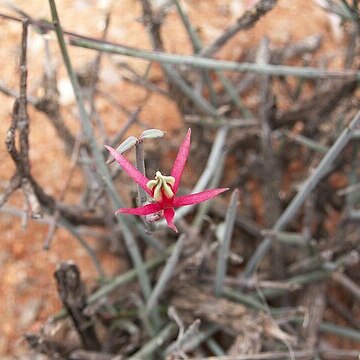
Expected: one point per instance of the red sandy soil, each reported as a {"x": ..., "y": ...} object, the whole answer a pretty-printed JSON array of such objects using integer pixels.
[{"x": 27, "y": 288}]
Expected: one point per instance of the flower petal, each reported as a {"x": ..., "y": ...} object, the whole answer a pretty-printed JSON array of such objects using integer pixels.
[
  {"x": 169, "y": 214},
  {"x": 142, "y": 210},
  {"x": 197, "y": 198},
  {"x": 131, "y": 170},
  {"x": 180, "y": 161}
]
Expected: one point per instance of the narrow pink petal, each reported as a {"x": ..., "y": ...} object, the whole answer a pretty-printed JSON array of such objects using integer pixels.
[
  {"x": 169, "y": 214},
  {"x": 180, "y": 161},
  {"x": 142, "y": 210},
  {"x": 197, "y": 198},
  {"x": 131, "y": 170}
]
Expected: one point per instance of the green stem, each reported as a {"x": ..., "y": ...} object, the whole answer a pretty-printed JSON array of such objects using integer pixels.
[
  {"x": 99, "y": 161},
  {"x": 205, "y": 63},
  {"x": 309, "y": 185}
]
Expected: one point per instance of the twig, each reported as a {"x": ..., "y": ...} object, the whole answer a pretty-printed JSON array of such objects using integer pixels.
[
  {"x": 229, "y": 122},
  {"x": 276, "y": 355},
  {"x": 332, "y": 328},
  {"x": 184, "y": 337},
  {"x": 205, "y": 63},
  {"x": 106, "y": 46},
  {"x": 270, "y": 167},
  {"x": 20, "y": 123},
  {"x": 248, "y": 20},
  {"x": 309, "y": 143},
  {"x": 195, "y": 341},
  {"x": 346, "y": 283},
  {"x": 243, "y": 299},
  {"x": 14, "y": 184},
  {"x": 166, "y": 274},
  {"x": 315, "y": 305},
  {"x": 72, "y": 293},
  {"x": 308, "y": 186},
  {"x": 343, "y": 311},
  {"x": 225, "y": 241},
  {"x": 49, "y": 103},
  {"x": 157, "y": 341},
  {"x": 197, "y": 47},
  {"x": 31, "y": 199},
  {"x": 140, "y": 165},
  {"x": 128, "y": 236}
]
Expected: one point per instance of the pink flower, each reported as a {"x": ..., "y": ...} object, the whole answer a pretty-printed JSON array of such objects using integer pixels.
[{"x": 163, "y": 189}]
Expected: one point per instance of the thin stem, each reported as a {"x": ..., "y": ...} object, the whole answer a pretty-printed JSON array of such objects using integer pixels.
[
  {"x": 204, "y": 63},
  {"x": 140, "y": 165},
  {"x": 100, "y": 165},
  {"x": 155, "y": 343},
  {"x": 309, "y": 185},
  {"x": 224, "y": 246},
  {"x": 165, "y": 275}
]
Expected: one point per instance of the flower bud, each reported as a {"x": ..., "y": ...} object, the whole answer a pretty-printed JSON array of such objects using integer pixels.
[{"x": 124, "y": 146}]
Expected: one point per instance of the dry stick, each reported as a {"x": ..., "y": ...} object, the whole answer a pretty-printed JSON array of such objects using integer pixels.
[
  {"x": 331, "y": 354},
  {"x": 343, "y": 311},
  {"x": 166, "y": 274},
  {"x": 262, "y": 356},
  {"x": 149, "y": 348},
  {"x": 14, "y": 184},
  {"x": 331, "y": 328},
  {"x": 23, "y": 120},
  {"x": 32, "y": 190},
  {"x": 308, "y": 186},
  {"x": 270, "y": 166},
  {"x": 197, "y": 46},
  {"x": 205, "y": 206},
  {"x": 140, "y": 80},
  {"x": 200, "y": 337},
  {"x": 309, "y": 143},
  {"x": 184, "y": 337},
  {"x": 311, "y": 276},
  {"x": 94, "y": 79},
  {"x": 205, "y": 63},
  {"x": 107, "y": 46},
  {"x": 32, "y": 201},
  {"x": 72, "y": 293},
  {"x": 128, "y": 236},
  {"x": 140, "y": 165},
  {"x": 224, "y": 246},
  {"x": 20, "y": 122},
  {"x": 315, "y": 307},
  {"x": 119, "y": 281},
  {"x": 229, "y": 122},
  {"x": 23, "y": 127},
  {"x": 49, "y": 103},
  {"x": 347, "y": 284},
  {"x": 248, "y": 20}
]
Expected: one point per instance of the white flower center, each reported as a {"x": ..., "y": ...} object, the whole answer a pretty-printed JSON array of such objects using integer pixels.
[{"x": 161, "y": 184}]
